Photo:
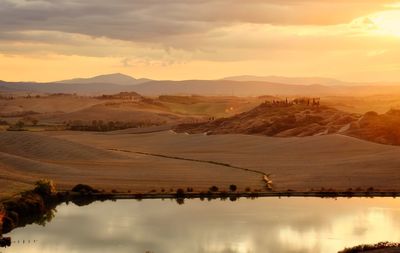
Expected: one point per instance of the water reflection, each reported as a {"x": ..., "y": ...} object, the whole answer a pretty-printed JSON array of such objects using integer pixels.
[{"x": 257, "y": 226}]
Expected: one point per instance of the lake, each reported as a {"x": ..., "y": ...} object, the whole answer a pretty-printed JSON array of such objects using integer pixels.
[{"x": 263, "y": 225}]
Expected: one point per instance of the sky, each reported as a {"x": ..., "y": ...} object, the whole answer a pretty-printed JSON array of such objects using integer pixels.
[{"x": 352, "y": 40}]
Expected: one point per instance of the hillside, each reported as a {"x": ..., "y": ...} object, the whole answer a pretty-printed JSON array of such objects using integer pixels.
[
  {"x": 28, "y": 156},
  {"x": 312, "y": 162},
  {"x": 381, "y": 128},
  {"x": 288, "y": 120},
  {"x": 281, "y": 119},
  {"x": 117, "y": 111}
]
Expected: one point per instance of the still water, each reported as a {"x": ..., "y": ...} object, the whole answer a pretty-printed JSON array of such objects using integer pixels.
[{"x": 263, "y": 225}]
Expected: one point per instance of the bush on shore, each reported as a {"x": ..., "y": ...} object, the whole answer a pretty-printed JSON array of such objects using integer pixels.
[
  {"x": 84, "y": 189},
  {"x": 45, "y": 187},
  {"x": 213, "y": 188}
]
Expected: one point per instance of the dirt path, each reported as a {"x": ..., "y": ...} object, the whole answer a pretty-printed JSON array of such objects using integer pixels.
[{"x": 265, "y": 177}]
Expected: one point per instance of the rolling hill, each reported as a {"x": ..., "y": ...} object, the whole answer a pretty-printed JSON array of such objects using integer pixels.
[
  {"x": 280, "y": 120},
  {"x": 116, "y": 78},
  {"x": 381, "y": 128}
]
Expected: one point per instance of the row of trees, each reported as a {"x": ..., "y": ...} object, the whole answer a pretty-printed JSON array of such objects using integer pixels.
[{"x": 102, "y": 126}]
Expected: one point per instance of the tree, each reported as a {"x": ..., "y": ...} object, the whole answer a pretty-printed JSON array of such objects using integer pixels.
[
  {"x": 20, "y": 124},
  {"x": 233, "y": 187},
  {"x": 214, "y": 188},
  {"x": 180, "y": 193},
  {"x": 34, "y": 121}
]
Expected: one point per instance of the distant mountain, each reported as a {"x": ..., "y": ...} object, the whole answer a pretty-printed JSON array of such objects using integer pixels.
[
  {"x": 116, "y": 78},
  {"x": 228, "y": 87},
  {"x": 289, "y": 80},
  {"x": 203, "y": 87},
  {"x": 81, "y": 89}
]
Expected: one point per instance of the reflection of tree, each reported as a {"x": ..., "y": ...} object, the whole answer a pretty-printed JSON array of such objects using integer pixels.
[
  {"x": 46, "y": 218},
  {"x": 83, "y": 200},
  {"x": 180, "y": 201}
]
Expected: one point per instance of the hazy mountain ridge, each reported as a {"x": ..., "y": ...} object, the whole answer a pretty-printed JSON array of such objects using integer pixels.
[
  {"x": 305, "y": 80},
  {"x": 288, "y": 80},
  {"x": 197, "y": 87},
  {"x": 116, "y": 78}
]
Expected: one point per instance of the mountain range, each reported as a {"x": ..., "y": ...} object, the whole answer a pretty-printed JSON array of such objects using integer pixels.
[
  {"x": 231, "y": 86},
  {"x": 116, "y": 78}
]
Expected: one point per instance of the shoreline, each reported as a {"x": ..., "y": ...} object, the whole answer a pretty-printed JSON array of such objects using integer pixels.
[
  {"x": 36, "y": 206},
  {"x": 343, "y": 194}
]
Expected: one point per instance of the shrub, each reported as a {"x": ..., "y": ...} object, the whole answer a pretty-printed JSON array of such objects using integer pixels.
[
  {"x": 84, "y": 189},
  {"x": 5, "y": 242},
  {"x": 213, "y": 188},
  {"x": 180, "y": 193},
  {"x": 247, "y": 189},
  {"x": 233, "y": 188},
  {"x": 34, "y": 121},
  {"x": 20, "y": 124},
  {"x": 45, "y": 187}
]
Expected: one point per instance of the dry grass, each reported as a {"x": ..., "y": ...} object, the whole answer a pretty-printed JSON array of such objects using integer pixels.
[
  {"x": 331, "y": 162},
  {"x": 30, "y": 156}
]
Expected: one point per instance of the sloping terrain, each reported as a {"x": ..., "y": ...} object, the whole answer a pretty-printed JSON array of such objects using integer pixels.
[
  {"x": 214, "y": 106},
  {"x": 139, "y": 161},
  {"x": 45, "y": 104},
  {"x": 26, "y": 157},
  {"x": 381, "y": 128},
  {"x": 288, "y": 120},
  {"x": 277, "y": 120},
  {"x": 61, "y": 108},
  {"x": 301, "y": 164},
  {"x": 115, "y": 112},
  {"x": 124, "y": 107}
]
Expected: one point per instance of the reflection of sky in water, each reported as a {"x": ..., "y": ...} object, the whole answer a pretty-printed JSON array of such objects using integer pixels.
[{"x": 294, "y": 225}]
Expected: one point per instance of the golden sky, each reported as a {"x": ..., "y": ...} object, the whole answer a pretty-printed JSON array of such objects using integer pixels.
[{"x": 47, "y": 40}]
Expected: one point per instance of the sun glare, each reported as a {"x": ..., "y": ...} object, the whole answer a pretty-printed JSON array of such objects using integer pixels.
[{"x": 387, "y": 22}]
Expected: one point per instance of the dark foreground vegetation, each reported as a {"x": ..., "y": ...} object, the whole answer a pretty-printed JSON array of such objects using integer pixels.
[
  {"x": 379, "y": 247},
  {"x": 36, "y": 206},
  {"x": 101, "y": 126}
]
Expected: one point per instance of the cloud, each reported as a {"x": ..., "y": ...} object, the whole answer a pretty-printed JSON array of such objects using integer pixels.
[
  {"x": 281, "y": 36},
  {"x": 153, "y": 20}
]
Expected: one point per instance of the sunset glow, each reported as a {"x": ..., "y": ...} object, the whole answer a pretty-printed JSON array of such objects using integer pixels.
[
  {"x": 350, "y": 40},
  {"x": 387, "y": 23}
]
